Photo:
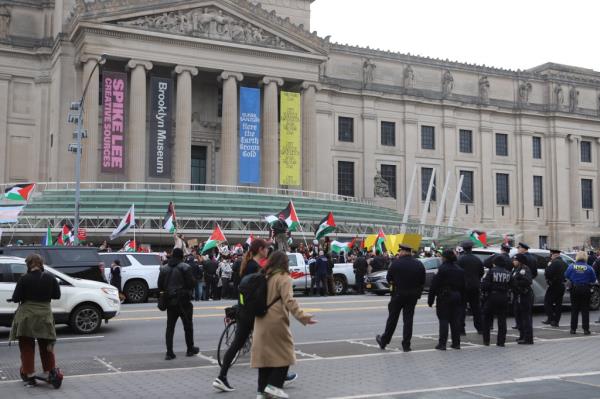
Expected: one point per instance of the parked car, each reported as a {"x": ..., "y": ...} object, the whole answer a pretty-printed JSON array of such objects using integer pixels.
[
  {"x": 343, "y": 275},
  {"x": 77, "y": 262},
  {"x": 83, "y": 304},
  {"x": 139, "y": 273},
  {"x": 377, "y": 282}
]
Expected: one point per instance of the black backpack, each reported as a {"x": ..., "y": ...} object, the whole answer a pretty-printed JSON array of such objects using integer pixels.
[{"x": 253, "y": 294}]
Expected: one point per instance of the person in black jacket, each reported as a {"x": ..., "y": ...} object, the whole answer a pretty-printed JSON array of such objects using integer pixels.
[
  {"x": 504, "y": 253},
  {"x": 496, "y": 286},
  {"x": 531, "y": 259},
  {"x": 177, "y": 280},
  {"x": 115, "y": 275},
  {"x": 360, "y": 270},
  {"x": 448, "y": 286},
  {"x": 521, "y": 281},
  {"x": 555, "y": 278},
  {"x": 378, "y": 263},
  {"x": 473, "y": 267},
  {"x": 407, "y": 278},
  {"x": 211, "y": 279}
]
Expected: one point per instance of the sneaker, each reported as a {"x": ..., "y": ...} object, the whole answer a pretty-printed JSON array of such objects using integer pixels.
[
  {"x": 290, "y": 377},
  {"x": 221, "y": 384},
  {"x": 170, "y": 356},
  {"x": 193, "y": 351},
  {"x": 31, "y": 382},
  {"x": 380, "y": 342},
  {"x": 260, "y": 395},
  {"x": 276, "y": 392}
]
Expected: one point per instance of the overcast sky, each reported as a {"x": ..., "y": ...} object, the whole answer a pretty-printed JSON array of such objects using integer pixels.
[{"x": 503, "y": 33}]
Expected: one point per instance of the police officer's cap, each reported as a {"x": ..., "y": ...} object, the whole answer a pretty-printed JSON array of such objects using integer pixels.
[
  {"x": 466, "y": 245},
  {"x": 505, "y": 247},
  {"x": 523, "y": 245},
  {"x": 500, "y": 261},
  {"x": 404, "y": 247},
  {"x": 555, "y": 251},
  {"x": 521, "y": 258}
]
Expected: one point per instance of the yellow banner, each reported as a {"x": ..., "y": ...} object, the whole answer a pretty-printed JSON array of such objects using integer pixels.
[
  {"x": 392, "y": 242},
  {"x": 289, "y": 140}
]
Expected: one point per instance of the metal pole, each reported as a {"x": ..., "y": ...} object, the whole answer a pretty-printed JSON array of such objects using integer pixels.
[
  {"x": 456, "y": 200},
  {"x": 408, "y": 200},
  {"x": 441, "y": 206},
  {"x": 427, "y": 199}
]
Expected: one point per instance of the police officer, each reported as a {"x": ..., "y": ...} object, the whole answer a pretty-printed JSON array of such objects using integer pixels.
[
  {"x": 581, "y": 275},
  {"x": 523, "y": 248},
  {"x": 474, "y": 271},
  {"x": 448, "y": 286},
  {"x": 521, "y": 281},
  {"x": 555, "y": 279},
  {"x": 407, "y": 278},
  {"x": 504, "y": 252},
  {"x": 496, "y": 285}
]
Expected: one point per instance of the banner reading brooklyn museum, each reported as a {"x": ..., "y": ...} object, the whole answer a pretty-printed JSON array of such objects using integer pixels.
[
  {"x": 161, "y": 106},
  {"x": 114, "y": 86},
  {"x": 289, "y": 139},
  {"x": 249, "y": 135}
]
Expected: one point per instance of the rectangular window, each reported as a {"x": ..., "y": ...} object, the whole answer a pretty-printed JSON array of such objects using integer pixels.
[
  {"x": 466, "y": 141},
  {"x": 543, "y": 241},
  {"x": 587, "y": 197},
  {"x": 346, "y": 129},
  {"x": 502, "y": 194},
  {"x": 388, "y": 172},
  {"x": 537, "y": 147},
  {"x": 501, "y": 145},
  {"x": 346, "y": 178},
  {"x": 586, "y": 151},
  {"x": 538, "y": 191},
  {"x": 428, "y": 137},
  {"x": 425, "y": 178},
  {"x": 466, "y": 192},
  {"x": 388, "y": 133}
]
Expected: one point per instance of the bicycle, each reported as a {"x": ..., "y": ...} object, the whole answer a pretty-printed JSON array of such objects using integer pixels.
[{"x": 227, "y": 337}]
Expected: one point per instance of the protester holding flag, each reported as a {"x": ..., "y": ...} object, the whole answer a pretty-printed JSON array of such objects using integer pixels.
[
  {"x": 126, "y": 224},
  {"x": 326, "y": 226},
  {"x": 282, "y": 226},
  {"x": 169, "y": 222}
]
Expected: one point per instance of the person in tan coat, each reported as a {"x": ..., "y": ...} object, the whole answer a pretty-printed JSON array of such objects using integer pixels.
[{"x": 272, "y": 342}]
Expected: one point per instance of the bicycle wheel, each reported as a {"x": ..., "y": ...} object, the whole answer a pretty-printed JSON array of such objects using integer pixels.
[{"x": 225, "y": 341}]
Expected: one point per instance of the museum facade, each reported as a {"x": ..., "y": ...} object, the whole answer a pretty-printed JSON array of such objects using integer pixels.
[{"x": 239, "y": 92}]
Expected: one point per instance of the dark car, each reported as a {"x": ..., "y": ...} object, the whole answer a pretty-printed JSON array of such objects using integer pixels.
[
  {"x": 377, "y": 283},
  {"x": 77, "y": 262}
]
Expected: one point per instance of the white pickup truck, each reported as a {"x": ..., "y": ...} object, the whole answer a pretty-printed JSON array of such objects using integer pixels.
[{"x": 343, "y": 274}]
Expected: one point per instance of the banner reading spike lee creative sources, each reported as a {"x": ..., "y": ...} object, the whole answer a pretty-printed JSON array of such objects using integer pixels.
[
  {"x": 161, "y": 106},
  {"x": 249, "y": 135},
  {"x": 289, "y": 139},
  {"x": 114, "y": 92}
]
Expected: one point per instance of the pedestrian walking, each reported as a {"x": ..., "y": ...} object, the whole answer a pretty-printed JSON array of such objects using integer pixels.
[
  {"x": 273, "y": 345},
  {"x": 33, "y": 319},
  {"x": 521, "y": 281},
  {"x": 555, "y": 280},
  {"x": 321, "y": 270},
  {"x": 581, "y": 276},
  {"x": 360, "y": 270},
  {"x": 407, "y": 278},
  {"x": 474, "y": 271},
  {"x": 115, "y": 275},
  {"x": 177, "y": 280},
  {"x": 447, "y": 291},
  {"x": 496, "y": 286}
]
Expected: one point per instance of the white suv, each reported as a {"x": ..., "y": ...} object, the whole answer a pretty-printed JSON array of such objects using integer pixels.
[
  {"x": 139, "y": 273},
  {"x": 83, "y": 304}
]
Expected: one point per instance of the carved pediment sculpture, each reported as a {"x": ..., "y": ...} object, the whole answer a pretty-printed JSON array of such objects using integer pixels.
[
  {"x": 573, "y": 99},
  {"x": 211, "y": 23},
  {"x": 559, "y": 97},
  {"x": 408, "y": 77},
  {"x": 4, "y": 22},
  {"x": 524, "y": 91},
  {"x": 447, "y": 83},
  {"x": 484, "y": 89}
]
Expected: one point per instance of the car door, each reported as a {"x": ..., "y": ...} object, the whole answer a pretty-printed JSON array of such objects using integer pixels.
[
  {"x": 7, "y": 287},
  {"x": 299, "y": 271},
  {"x": 148, "y": 268}
]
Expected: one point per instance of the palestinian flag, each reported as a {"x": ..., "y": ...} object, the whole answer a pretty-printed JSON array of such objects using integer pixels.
[
  {"x": 379, "y": 242},
  {"x": 327, "y": 226},
  {"x": 214, "y": 240},
  {"x": 66, "y": 236},
  {"x": 479, "y": 239},
  {"x": 20, "y": 192},
  {"x": 48, "y": 238},
  {"x": 127, "y": 222},
  {"x": 289, "y": 215},
  {"x": 10, "y": 214},
  {"x": 250, "y": 239},
  {"x": 169, "y": 219},
  {"x": 345, "y": 247},
  {"x": 130, "y": 246}
]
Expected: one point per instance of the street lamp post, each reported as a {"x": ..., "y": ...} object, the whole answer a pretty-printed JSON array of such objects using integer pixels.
[{"x": 77, "y": 114}]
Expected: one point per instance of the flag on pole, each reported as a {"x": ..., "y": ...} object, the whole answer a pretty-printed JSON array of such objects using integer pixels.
[
  {"x": 48, "y": 239},
  {"x": 326, "y": 226},
  {"x": 289, "y": 215},
  {"x": 250, "y": 239},
  {"x": 214, "y": 240},
  {"x": 126, "y": 223},
  {"x": 169, "y": 221},
  {"x": 66, "y": 235},
  {"x": 346, "y": 247},
  {"x": 130, "y": 246},
  {"x": 380, "y": 241},
  {"x": 10, "y": 214},
  {"x": 19, "y": 192},
  {"x": 479, "y": 238}
]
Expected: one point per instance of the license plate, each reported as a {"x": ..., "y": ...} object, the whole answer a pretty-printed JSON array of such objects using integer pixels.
[{"x": 368, "y": 285}]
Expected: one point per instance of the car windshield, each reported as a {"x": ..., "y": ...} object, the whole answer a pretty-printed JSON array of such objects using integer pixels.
[
  {"x": 430, "y": 263},
  {"x": 293, "y": 260}
]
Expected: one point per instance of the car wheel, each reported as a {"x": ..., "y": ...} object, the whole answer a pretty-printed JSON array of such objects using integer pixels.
[
  {"x": 595, "y": 299},
  {"x": 136, "y": 291},
  {"x": 86, "y": 319},
  {"x": 340, "y": 285}
]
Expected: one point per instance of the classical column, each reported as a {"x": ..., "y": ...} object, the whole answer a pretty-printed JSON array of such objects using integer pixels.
[
  {"x": 309, "y": 135},
  {"x": 229, "y": 129},
  {"x": 136, "y": 141},
  {"x": 574, "y": 180},
  {"x": 4, "y": 93},
  {"x": 270, "y": 139},
  {"x": 182, "y": 155},
  {"x": 90, "y": 156}
]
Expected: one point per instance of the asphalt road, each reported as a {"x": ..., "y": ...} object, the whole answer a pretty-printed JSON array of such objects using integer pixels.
[{"x": 129, "y": 351}]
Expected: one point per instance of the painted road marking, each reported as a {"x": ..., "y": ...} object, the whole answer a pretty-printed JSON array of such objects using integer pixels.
[
  {"x": 106, "y": 364},
  {"x": 83, "y": 337}
]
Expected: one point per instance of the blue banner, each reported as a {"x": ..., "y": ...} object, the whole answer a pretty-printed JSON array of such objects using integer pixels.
[{"x": 249, "y": 135}]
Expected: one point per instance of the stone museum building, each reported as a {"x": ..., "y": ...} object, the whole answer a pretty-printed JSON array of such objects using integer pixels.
[{"x": 204, "y": 91}]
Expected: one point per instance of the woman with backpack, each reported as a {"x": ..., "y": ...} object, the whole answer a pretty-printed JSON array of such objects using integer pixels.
[{"x": 273, "y": 345}]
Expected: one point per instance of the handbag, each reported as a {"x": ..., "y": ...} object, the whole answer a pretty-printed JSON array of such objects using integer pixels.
[{"x": 163, "y": 296}]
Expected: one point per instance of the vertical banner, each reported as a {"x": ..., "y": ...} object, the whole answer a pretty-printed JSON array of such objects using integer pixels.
[
  {"x": 289, "y": 139},
  {"x": 249, "y": 136},
  {"x": 161, "y": 108},
  {"x": 114, "y": 86}
]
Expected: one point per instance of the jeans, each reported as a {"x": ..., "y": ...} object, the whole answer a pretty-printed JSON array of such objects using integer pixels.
[
  {"x": 405, "y": 304},
  {"x": 243, "y": 329},
  {"x": 321, "y": 284},
  {"x": 183, "y": 310},
  {"x": 199, "y": 291},
  {"x": 27, "y": 348},
  {"x": 271, "y": 376}
]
